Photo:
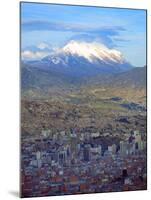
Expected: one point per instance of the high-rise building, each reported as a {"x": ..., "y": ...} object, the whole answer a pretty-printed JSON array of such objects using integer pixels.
[
  {"x": 38, "y": 158},
  {"x": 38, "y": 155},
  {"x": 112, "y": 149},
  {"x": 141, "y": 145},
  {"x": 123, "y": 148},
  {"x": 62, "y": 157},
  {"x": 137, "y": 136},
  {"x": 39, "y": 163},
  {"x": 131, "y": 148},
  {"x": 86, "y": 152},
  {"x": 96, "y": 152}
]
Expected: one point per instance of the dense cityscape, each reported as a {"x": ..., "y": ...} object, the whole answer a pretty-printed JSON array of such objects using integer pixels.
[{"x": 74, "y": 162}]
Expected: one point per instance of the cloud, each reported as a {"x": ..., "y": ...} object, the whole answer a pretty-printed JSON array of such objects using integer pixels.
[
  {"x": 99, "y": 38},
  {"x": 36, "y": 52},
  {"x": 30, "y": 55},
  {"x": 104, "y": 34},
  {"x": 48, "y": 26},
  {"x": 55, "y": 26},
  {"x": 43, "y": 46}
]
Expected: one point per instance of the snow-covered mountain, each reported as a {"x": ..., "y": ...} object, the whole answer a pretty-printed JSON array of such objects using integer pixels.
[
  {"x": 93, "y": 51},
  {"x": 79, "y": 63},
  {"x": 84, "y": 58},
  {"x": 79, "y": 58}
]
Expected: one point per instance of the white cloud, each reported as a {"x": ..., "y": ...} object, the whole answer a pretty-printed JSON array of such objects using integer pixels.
[
  {"x": 43, "y": 46},
  {"x": 29, "y": 55},
  {"x": 36, "y": 52}
]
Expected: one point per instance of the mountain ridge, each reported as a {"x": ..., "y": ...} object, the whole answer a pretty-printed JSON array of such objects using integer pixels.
[
  {"x": 83, "y": 59},
  {"x": 71, "y": 66}
]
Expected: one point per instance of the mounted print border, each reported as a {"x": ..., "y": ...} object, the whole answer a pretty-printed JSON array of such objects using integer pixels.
[{"x": 83, "y": 92}]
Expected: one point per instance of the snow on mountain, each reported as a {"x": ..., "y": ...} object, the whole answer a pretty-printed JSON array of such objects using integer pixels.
[
  {"x": 85, "y": 52},
  {"x": 79, "y": 58},
  {"x": 92, "y": 51},
  {"x": 75, "y": 62}
]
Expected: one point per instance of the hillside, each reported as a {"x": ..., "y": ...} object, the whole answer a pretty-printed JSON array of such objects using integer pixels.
[{"x": 135, "y": 78}]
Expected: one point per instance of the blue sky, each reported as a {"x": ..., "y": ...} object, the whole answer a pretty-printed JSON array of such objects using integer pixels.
[{"x": 121, "y": 29}]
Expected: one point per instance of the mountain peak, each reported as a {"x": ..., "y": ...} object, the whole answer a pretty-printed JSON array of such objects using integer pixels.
[
  {"x": 80, "y": 58},
  {"x": 92, "y": 51}
]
